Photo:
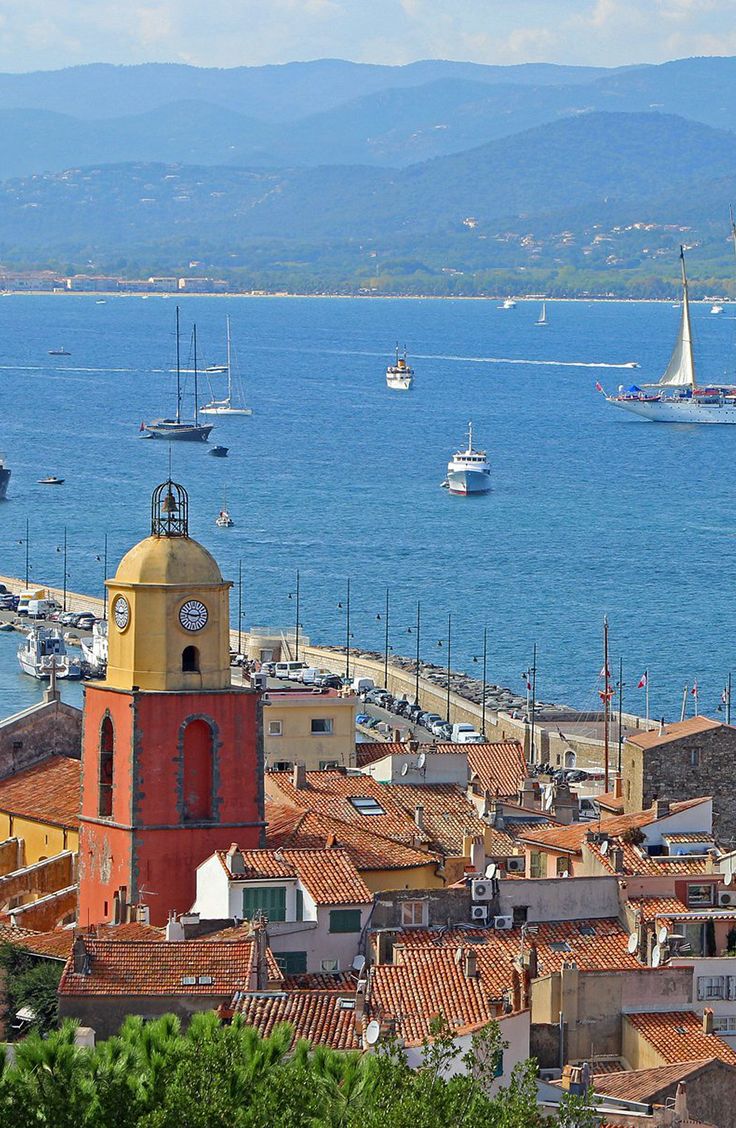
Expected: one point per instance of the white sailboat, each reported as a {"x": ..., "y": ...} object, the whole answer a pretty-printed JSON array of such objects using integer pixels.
[
  {"x": 226, "y": 406},
  {"x": 542, "y": 319},
  {"x": 677, "y": 398}
]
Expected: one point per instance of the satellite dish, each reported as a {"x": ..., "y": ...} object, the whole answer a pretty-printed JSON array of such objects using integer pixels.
[
  {"x": 421, "y": 760},
  {"x": 604, "y": 847},
  {"x": 491, "y": 870},
  {"x": 404, "y": 769},
  {"x": 662, "y": 935},
  {"x": 633, "y": 943},
  {"x": 358, "y": 963},
  {"x": 656, "y": 956},
  {"x": 372, "y": 1032},
  {"x": 728, "y": 878}
]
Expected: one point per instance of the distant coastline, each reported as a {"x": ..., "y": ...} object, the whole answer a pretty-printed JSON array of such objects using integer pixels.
[{"x": 106, "y": 294}]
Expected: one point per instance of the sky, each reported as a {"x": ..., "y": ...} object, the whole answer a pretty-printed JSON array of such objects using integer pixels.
[{"x": 47, "y": 34}]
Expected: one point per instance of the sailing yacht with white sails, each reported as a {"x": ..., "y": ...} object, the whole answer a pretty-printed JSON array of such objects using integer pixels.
[
  {"x": 677, "y": 398},
  {"x": 542, "y": 319},
  {"x": 226, "y": 406}
]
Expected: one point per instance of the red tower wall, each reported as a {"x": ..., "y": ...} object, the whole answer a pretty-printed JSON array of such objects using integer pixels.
[{"x": 178, "y": 758}]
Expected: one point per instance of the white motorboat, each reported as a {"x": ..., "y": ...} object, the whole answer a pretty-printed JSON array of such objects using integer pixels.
[
  {"x": 509, "y": 304},
  {"x": 677, "y": 398},
  {"x": 44, "y": 649},
  {"x": 94, "y": 649},
  {"x": 716, "y": 308},
  {"x": 468, "y": 471},
  {"x": 223, "y": 520},
  {"x": 399, "y": 375},
  {"x": 230, "y": 405}
]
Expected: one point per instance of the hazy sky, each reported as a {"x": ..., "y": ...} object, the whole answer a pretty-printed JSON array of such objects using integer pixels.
[{"x": 43, "y": 34}]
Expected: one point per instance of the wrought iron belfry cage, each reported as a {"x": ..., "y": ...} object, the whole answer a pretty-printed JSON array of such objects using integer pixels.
[{"x": 170, "y": 510}]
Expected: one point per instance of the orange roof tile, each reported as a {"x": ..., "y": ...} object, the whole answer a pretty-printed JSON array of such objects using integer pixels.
[
  {"x": 342, "y": 982},
  {"x": 318, "y": 1016},
  {"x": 609, "y": 801},
  {"x": 328, "y": 875},
  {"x": 645, "y": 1085},
  {"x": 569, "y": 839},
  {"x": 448, "y": 814},
  {"x": 294, "y": 829},
  {"x": 691, "y": 727},
  {"x": 499, "y": 766},
  {"x": 637, "y": 861},
  {"x": 135, "y": 967},
  {"x": 48, "y": 792},
  {"x": 653, "y": 907},
  {"x": 678, "y": 1036}
]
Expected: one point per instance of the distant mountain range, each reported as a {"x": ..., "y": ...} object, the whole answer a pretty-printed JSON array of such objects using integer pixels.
[{"x": 334, "y": 169}]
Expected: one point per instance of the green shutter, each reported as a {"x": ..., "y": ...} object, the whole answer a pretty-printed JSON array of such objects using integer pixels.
[
  {"x": 344, "y": 920},
  {"x": 292, "y": 963},
  {"x": 269, "y": 900},
  {"x": 299, "y": 905}
]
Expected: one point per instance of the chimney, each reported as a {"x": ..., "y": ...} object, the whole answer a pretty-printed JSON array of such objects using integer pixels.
[
  {"x": 661, "y": 808},
  {"x": 471, "y": 964},
  {"x": 143, "y": 914},
  {"x": 116, "y": 907},
  {"x": 359, "y": 1004},
  {"x": 516, "y": 990},
  {"x": 235, "y": 860},
  {"x": 618, "y": 788},
  {"x": 708, "y": 1020},
  {"x": 617, "y": 859},
  {"x": 124, "y": 906},
  {"x": 299, "y": 776},
  {"x": 331, "y": 841},
  {"x": 261, "y": 941},
  {"x": 533, "y": 965},
  {"x": 681, "y": 1113},
  {"x": 174, "y": 928},
  {"x": 80, "y": 956},
  {"x": 419, "y": 816}
]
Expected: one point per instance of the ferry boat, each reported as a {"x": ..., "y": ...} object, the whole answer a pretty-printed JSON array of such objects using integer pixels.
[
  {"x": 468, "y": 471},
  {"x": 229, "y": 405},
  {"x": 399, "y": 375},
  {"x": 44, "y": 648},
  {"x": 677, "y": 398},
  {"x": 178, "y": 429},
  {"x": 4, "y": 477}
]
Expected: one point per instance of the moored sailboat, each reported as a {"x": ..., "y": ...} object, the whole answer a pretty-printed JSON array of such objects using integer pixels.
[
  {"x": 180, "y": 429},
  {"x": 542, "y": 319},
  {"x": 226, "y": 406}
]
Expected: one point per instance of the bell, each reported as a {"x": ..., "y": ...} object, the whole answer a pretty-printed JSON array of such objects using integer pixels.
[{"x": 169, "y": 504}]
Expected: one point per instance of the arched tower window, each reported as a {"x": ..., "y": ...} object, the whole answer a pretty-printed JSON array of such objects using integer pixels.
[
  {"x": 107, "y": 755},
  {"x": 198, "y": 752},
  {"x": 190, "y": 660}
]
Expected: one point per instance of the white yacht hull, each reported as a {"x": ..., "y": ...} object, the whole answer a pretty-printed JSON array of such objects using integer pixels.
[
  {"x": 468, "y": 481},
  {"x": 677, "y": 411},
  {"x": 399, "y": 383},
  {"x": 42, "y": 669},
  {"x": 217, "y": 409}
]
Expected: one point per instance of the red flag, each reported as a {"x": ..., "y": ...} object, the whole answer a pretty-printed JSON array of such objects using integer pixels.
[
  {"x": 142, "y": 427},
  {"x": 598, "y": 387},
  {"x": 694, "y": 690},
  {"x": 643, "y": 680}
]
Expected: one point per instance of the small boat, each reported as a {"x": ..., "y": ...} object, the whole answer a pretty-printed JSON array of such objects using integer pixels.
[
  {"x": 178, "y": 429},
  {"x": 100, "y": 301},
  {"x": 43, "y": 649},
  {"x": 226, "y": 406},
  {"x": 508, "y": 304},
  {"x": 716, "y": 308},
  {"x": 51, "y": 480},
  {"x": 59, "y": 352},
  {"x": 399, "y": 375},
  {"x": 468, "y": 471},
  {"x": 94, "y": 649},
  {"x": 223, "y": 520},
  {"x": 542, "y": 319},
  {"x": 219, "y": 451}
]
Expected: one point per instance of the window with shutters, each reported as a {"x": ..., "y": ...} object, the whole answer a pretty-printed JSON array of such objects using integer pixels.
[
  {"x": 711, "y": 987},
  {"x": 344, "y": 920},
  {"x": 264, "y": 900},
  {"x": 292, "y": 963},
  {"x": 299, "y": 905},
  {"x": 535, "y": 864}
]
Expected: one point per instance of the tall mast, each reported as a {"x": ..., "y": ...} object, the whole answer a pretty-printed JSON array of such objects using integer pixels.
[
  {"x": 196, "y": 395},
  {"x": 470, "y": 435},
  {"x": 733, "y": 226},
  {"x": 606, "y": 705},
  {"x": 687, "y": 339},
  {"x": 178, "y": 370},
  {"x": 229, "y": 371}
]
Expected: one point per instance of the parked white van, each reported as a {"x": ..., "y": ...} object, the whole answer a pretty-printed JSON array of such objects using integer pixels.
[
  {"x": 42, "y": 608},
  {"x": 464, "y": 733},
  {"x": 362, "y": 685},
  {"x": 288, "y": 670},
  {"x": 310, "y": 675}
]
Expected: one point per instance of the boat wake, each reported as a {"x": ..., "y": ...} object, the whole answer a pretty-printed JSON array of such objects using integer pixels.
[{"x": 516, "y": 360}]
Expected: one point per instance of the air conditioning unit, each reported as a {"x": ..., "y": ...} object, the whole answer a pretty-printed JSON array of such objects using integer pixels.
[
  {"x": 726, "y": 898},
  {"x": 550, "y": 1074},
  {"x": 329, "y": 966},
  {"x": 482, "y": 890},
  {"x": 516, "y": 865},
  {"x": 503, "y": 922},
  {"x": 479, "y": 913}
]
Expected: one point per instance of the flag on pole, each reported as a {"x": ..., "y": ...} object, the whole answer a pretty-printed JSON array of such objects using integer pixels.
[
  {"x": 643, "y": 680},
  {"x": 724, "y": 696},
  {"x": 598, "y": 387},
  {"x": 605, "y": 672},
  {"x": 694, "y": 690},
  {"x": 525, "y": 678}
]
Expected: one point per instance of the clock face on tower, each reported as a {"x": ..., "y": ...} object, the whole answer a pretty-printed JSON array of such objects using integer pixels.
[
  {"x": 193, "y": 615},
  {"x": 121, "y": 612}
]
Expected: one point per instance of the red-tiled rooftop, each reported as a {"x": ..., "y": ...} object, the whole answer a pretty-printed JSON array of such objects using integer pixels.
[
  {"x": 48, "y": 792},
  {"x": 135, "y": 967},
  {"x": 57, "y": 944},
  {"x": 328, "y": 875},
  {"x": 693, "y": 726},
  {"x": 569, "y": 839},
  {"x": 448, "y": 815},
  {"x": 495, "y": 766},
  {"x": 645, "y": 1084},
  {"x": 678, "y": 1036},
  {"x": 319, "y": 1016}
]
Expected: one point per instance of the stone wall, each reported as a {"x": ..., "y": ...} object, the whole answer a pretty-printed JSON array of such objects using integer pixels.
[
  {"x": 51, "y": 728},
  {"x": 106, "y": 1013},
  {"x": 444, "y": 906}
]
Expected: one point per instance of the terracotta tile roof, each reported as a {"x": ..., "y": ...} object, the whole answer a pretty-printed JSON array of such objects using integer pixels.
[
  {"x": 678, "y": 1036},
  {"x": 448, "y": 813},
  {"x": 691, "y": 727},
  {"x": 135, "y": 967},
  {"x": 370, "y": 751},
  {"x": 706, "y": 839},
  {"x": 330, "y": 793},
  {"x": 499, "y": 766},
  {"x": 645, "y": 1085},
  {"x": 653, "y": 907},
  {"x": 569, "y": 839},
  {"x": 637, "y": 861},
  {"x": 57, "y": 944},
  {"x": 317, "y": 1016},
  {"x": 609, "y": 801},
  {"x": 294, "y": 829},
  {"x": 343, "y": 982},
  {"x": 49, "y": 792},
  {"x": 259, "y": 865}
]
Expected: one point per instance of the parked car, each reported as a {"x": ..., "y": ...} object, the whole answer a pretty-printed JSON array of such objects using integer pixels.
[
  {"x": 328, "y": 681},
  {"x": 7, "y": 603},
  {"x": 287, "y": 671},
  {"x": 438, "y": 727},
  {"x": 268, "y": 668},
  {"x": 85, "y": 621},
  {"x": 362, "y": 718},
  {"x": 68, "y": 618},
  {"x": 445, "y": 731},
  {"x": 372, "y": 722},
  {"x": 431, "y": 719}
]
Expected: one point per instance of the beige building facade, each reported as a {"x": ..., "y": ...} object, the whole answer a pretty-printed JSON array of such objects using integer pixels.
[{"x": 315, "y": 728}]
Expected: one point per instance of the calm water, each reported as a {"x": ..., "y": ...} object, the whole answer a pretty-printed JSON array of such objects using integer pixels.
[{"x": 591, "y": 511}]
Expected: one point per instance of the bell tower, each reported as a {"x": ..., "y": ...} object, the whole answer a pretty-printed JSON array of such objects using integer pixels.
[{"x": 172, "y": 756}]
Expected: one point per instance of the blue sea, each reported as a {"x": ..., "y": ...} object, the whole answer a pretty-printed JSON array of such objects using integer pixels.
[{"x": 592, "y": 512}]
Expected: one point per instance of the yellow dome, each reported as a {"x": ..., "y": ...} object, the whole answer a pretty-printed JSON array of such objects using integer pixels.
[{"x": 168, "y": 560}]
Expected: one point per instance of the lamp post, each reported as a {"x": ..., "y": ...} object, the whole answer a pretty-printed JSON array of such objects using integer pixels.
[
  {"x": 483, "y": 694},
  {"x": 417, "y": 631},
  {"x": 296, "y": 596},
  {"x": 385, "y": 641},
  {"x": 347, "y": 628},
  {"x": 103, "y": 560},
  {"x": 449, "y": 657},
  {"x": 533, "y": 672},
  {"x": 26, "y": 542},
  {"x": 62, "y": 549},
  {"x": 240, "y": 606},
  {"x": 620, "y": 688}
]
